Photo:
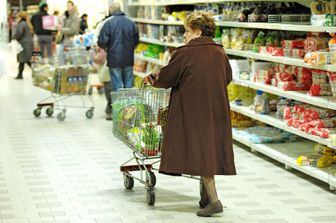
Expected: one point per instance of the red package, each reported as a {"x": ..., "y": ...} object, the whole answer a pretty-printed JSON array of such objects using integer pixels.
[
  {"x": 284, "y": 76},
  {"x": 289, "y": 122},
  {"x": 288, "y": 113},
  {"x": 323, "y": 133},
  {"x": 298, "y": 53},
  {"x": 305, "y": 127},
  {"x": 291, "y": 86},
  {"x": 319, "y": 113},
  {"x": 282, "y": 68},
  {"x": 320, "y": 90},
  {"x": 290, "y": 44},
  {"x": 323, "y": 123},
  {"x": 275, "y": 51}
]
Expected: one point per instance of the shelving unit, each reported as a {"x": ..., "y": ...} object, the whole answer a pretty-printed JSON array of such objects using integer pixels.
[
  {"x": 280, "y": 124},
  {"x": 150, "y": 60},
  {"x": 276, "y": 59},
  {"x": 193, "y": 2},
  {"x": 284, "y": 153},
  {"x": 250, "y": 25},
  {"x": 158, "y": 42},
  {"x": 325, "y": 102}
]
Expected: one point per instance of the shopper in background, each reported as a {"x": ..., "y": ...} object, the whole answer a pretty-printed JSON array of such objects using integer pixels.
[
  {"x": 68, "y": 30},
  {"x": 44, "y": 36},
  {"x": 198, "y": 137},
  {"x": 119, "y": 37},
  {"x": 10, "y": 21},
  {"x": 83, "y": 24},
  {"x": 24, "y": 35},
  {"x": 103, "y": 71}
]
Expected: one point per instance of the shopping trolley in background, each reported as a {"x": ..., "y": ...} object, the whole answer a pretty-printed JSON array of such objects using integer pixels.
[
  {"x": 64, "y": 83},
  {"x": 135, "y": 122}
]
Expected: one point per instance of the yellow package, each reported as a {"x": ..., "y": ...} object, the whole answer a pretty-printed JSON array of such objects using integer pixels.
[{"x": 324, "y": 161}]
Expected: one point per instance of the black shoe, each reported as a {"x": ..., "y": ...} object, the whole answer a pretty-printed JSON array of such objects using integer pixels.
[
  {"x": 211, "y": 209},
  {"x": 109, "y": 117},
  {"x": 18, "y": 78}
]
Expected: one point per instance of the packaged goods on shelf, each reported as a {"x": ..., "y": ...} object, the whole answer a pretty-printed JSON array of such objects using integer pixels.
[
  {"x": 240, "y": 121},
  {"x": 321, "y": 157},
  {"x": 259, "y": 135},
  {"x": 320, "y": 86},
  {"x": 154, "y": 51},
  {"x": 317, "y": 58},
  {"x": 242, "y": 93},
  {"x": 261, "y": 103},
  {"x": 258, "y": 42},
  {"x": 293, "y": 44},
  {"x": 332, "y": 82},
  {"x": 240, "y": 67},
  {"x": 280, "y": 107},
  {"x": 272, "y": 51},
  {"x": 316, "y": 42},
  {"x": 140, "y": 65}
]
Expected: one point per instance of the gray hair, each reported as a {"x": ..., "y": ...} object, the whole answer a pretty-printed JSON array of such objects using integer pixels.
[{"x": 115, "y": 7}]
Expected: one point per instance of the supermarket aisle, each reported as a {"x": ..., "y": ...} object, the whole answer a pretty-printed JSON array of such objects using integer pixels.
[{"x": 69, "y": 172}]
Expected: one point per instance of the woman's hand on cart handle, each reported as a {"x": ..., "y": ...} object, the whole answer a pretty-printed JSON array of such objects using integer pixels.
[{"x": 151, "y": 78}]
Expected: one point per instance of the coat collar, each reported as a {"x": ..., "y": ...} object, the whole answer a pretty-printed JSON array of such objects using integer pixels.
[
  {"x": 118, "y": 13},
  {"x": 203, "y": 40}
]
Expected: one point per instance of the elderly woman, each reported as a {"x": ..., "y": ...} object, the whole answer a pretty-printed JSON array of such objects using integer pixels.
[
  {"x": 24, "y": 36},
  {"x": 198, "y": 136}
]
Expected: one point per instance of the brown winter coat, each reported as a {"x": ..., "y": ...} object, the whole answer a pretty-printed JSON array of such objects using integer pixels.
[{"x": 198, "y": 137}]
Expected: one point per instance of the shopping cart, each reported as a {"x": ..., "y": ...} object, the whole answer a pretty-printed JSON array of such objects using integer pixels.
[
  {"x": 64, "y": 83},
  {"x": 136, "y": 123}
]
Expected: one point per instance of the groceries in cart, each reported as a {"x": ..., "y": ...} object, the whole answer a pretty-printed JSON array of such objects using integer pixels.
[{"x": 62, "y": 80}]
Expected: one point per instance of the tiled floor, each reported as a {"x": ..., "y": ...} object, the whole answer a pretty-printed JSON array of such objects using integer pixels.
[{"x": 69, "y": 173}]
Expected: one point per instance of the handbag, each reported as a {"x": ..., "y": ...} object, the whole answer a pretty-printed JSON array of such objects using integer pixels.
[
  {"x": 100, "y": 56},
  {"x": 16, "y": 46}
]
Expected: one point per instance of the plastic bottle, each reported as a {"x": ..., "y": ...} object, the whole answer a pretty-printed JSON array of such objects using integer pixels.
[
  {"x": 261, "y": 103},
  {"x": 281, "y": 106}
]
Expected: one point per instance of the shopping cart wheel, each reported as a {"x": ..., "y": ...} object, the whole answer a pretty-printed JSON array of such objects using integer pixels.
[
  {"x": 150, "y": 196},
  {"x": 101, "y": 91},
  {"x": 152, "y": 178},
  {"x": 61, "y": 116},
  {"x": 50, "y": 111},
  {"x": 89, "y": 113},
  {"x": 90, "y": 91},
  {"x": 37, "y": 112},
  {"x": 128, "y": 182}
]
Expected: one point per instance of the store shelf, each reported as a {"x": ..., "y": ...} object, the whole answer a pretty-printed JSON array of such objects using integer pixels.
[
  {"x": 140, "y": 74},
  {"x": 275, "y": 59},
  {"x": 158, "y": 42},
  {"x": 193, "y": 2},
  {"x": 150, "y": 60},
  {"x": 302, "y": 96},
  {"x": 281, "y": 152},
  {"x": 157, "y": 21},
  {"x": 271, "y": 120}
]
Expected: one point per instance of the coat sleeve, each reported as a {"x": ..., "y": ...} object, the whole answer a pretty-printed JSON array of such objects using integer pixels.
[
  {"x": 170, "y": 75},
  {"x": 104, "y": 37},
  {"x": 228, "y": 70},
  {"x": 136, "y": 35},
  {"x": 19, "y": 33},
  {"x": 73, "y": 29}
]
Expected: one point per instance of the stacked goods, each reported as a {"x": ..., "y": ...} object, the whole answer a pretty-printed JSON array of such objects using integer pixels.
[
  {"x": 237, "y": 38},
  {"x": 320, "y": 86},
  {"x": 292, "y": 78},
  {"x": 323, "y": 12},
  {"x": 294, "y": 48},
  {"x": 43, "y": 76},
  {"x": 311, "y": 119},
  {"x": 321, "y": 157},
  {"x": 71, "y": 79}
]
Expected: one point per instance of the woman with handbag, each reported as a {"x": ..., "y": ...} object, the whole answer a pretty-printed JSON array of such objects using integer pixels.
[
  {"x": 198, "y": 135},
  {"x": 24, "y": 35}
]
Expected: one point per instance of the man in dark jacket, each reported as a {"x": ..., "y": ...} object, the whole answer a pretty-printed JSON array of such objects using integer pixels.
[
  {"x": 44, "y": 36},
  {"x": 119, "y": 37}
]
